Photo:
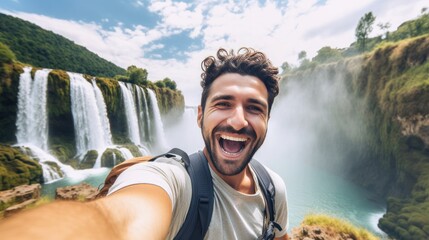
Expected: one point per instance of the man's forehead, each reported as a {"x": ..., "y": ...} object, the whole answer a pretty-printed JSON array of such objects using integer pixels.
[{"x": 247, "y": 94}]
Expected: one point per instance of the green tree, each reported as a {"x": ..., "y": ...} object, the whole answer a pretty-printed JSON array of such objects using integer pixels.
[
  {"x": 419, "y": 23},
  {"x": 170, "y": 83},
  {"x": 327, "y": 54},
  {"x": 302, "y": 55},
  {"x": 160, "y": 84},
  {"x": 166, "y": 82},
  {"x": 137, "y": 75},
  {"x": 363, "y": 29},
  {"x": 286, "y": 67},
  {"x": 385, "y": 28},
  {"x": 6, "y": 55}
]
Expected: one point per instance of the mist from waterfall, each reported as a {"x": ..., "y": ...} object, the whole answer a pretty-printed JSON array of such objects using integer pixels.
[
  {"x": 185, "y": 133},
  {"x": 316, "y": 121}
]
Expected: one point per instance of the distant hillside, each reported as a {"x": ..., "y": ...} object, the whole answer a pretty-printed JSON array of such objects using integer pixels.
[{"x": 41, "y": 48}]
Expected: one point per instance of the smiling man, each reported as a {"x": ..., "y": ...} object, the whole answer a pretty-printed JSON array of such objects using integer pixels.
[{"x": 151, "y": 200}]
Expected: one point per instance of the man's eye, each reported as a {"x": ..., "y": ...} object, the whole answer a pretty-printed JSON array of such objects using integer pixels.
[
  {"x": 255, "y": 109},
  {"x": 223, "y": 104}
]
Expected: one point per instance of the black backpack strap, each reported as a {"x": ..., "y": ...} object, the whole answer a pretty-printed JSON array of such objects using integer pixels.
[
  {"x": 200, "y": 210},
  {"x": 268, "y": 189}
]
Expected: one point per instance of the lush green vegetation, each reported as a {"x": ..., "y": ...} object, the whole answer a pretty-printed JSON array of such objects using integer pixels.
[
  {"x": 138, "y": 76},
  {"x": 409, "y": 29},
  {"x": 6, "y": 55},
  {"x": 339, "y": 226},
  {"x": 363, "y": 29},
  {"x": 398, "y": 86},
  {"x": 41, "y": 48},
  {"x": 17, "y": 169}
]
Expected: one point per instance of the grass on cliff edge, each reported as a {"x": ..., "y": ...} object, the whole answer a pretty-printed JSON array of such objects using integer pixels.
[{"x": 339, "y": 225}]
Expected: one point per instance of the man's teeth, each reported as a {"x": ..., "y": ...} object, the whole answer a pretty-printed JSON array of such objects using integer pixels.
[{"x": 237, "y": 139}]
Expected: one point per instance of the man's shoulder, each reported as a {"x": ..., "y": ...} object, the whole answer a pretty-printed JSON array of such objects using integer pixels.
[{"x": 162, "y": 162}]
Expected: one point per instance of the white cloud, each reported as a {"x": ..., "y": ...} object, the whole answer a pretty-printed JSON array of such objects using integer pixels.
[
  {"x": 178, "y": 15},
  {"x": 280, "y": 30},
  {"x": 138, "y": 3}
]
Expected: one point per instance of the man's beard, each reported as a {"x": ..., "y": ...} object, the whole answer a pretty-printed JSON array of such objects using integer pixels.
[{"x": 222, "y": 168}]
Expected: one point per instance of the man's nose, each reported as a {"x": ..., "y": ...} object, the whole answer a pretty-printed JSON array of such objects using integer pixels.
[{"x": 237, "y": 120}]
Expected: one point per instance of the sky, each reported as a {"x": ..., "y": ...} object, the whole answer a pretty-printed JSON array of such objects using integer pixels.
[{"x": 171, "y": 38}]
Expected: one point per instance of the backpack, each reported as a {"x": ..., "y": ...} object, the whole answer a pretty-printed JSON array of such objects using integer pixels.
[{"x": 200, "y": 210}]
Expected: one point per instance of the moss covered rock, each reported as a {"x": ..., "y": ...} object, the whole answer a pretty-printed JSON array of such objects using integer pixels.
[
  {"x": 111, "y": 157},
  {"x": 9, "y": 83},
  {"x": 327, "y": 227},
  {"x": 88, "y": 160},
  {"x": 17, "y": 169}
]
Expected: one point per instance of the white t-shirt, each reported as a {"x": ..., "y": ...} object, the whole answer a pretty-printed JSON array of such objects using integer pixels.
[{"x": 236, "y": 215}]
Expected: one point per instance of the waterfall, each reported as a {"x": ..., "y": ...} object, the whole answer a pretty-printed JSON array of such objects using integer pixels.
[
  {"x": 48, "y": 163},
  {"x": 102, "y": 111},
  {"x": 159, "y": 129},
  {"x": 142, "y": 114},
  {"x": 148, "y": 122},
  {"x": 32, "y": 121},
  {"x": 130, "y": 113},
  {"x": 92, "y": 130},
  {"x": 126, "y": 153}
]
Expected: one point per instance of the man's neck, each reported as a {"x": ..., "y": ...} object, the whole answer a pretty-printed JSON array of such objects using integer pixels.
[{"x": 242, "y": 182}]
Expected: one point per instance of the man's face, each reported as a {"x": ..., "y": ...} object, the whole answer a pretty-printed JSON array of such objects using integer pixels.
[{"x": 234, "y": 122}]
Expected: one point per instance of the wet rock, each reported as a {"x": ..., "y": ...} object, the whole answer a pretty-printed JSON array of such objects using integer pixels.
[
  {"x": 19, "y": 194},
  {"x": 81, "y": 192}
]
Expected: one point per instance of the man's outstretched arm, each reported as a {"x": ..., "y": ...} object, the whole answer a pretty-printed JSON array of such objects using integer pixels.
[{"x": 135, "y": 212}]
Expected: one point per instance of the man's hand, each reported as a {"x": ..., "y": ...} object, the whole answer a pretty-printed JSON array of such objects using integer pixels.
[{"x": 141, "y": 210}]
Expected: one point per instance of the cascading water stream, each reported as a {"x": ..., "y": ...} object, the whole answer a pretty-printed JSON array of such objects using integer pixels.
[
  {"x": 160, "y": 141},
  {"x": 32, "y": 123},
  {"x": 130, "y": 113},
  {"x": 92, "y": 128},
  {"x": 142, "y": 113},
  {"x": 102, "y": 111}
]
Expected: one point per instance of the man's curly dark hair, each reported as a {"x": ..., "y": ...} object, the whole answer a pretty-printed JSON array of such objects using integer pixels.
[{"x": 246, "y": 61}]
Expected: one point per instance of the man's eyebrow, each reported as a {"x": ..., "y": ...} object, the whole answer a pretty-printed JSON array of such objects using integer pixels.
[{"x": 222, "y": 97}]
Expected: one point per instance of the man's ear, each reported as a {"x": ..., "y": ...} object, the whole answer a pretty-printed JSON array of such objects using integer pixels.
[{"x": 200, "y": 115}]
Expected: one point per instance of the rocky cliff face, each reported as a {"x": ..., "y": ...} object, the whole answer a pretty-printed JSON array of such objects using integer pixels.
[{"x": 390, "y": 87}]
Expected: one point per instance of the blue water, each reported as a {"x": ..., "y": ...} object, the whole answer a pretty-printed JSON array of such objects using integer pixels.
[
  {"x": 315, "y": 191},
  {"x": 94, "y": 177}
]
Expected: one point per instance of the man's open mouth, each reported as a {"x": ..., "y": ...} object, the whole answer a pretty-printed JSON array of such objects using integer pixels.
[{"x": 232, "y": 145}]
